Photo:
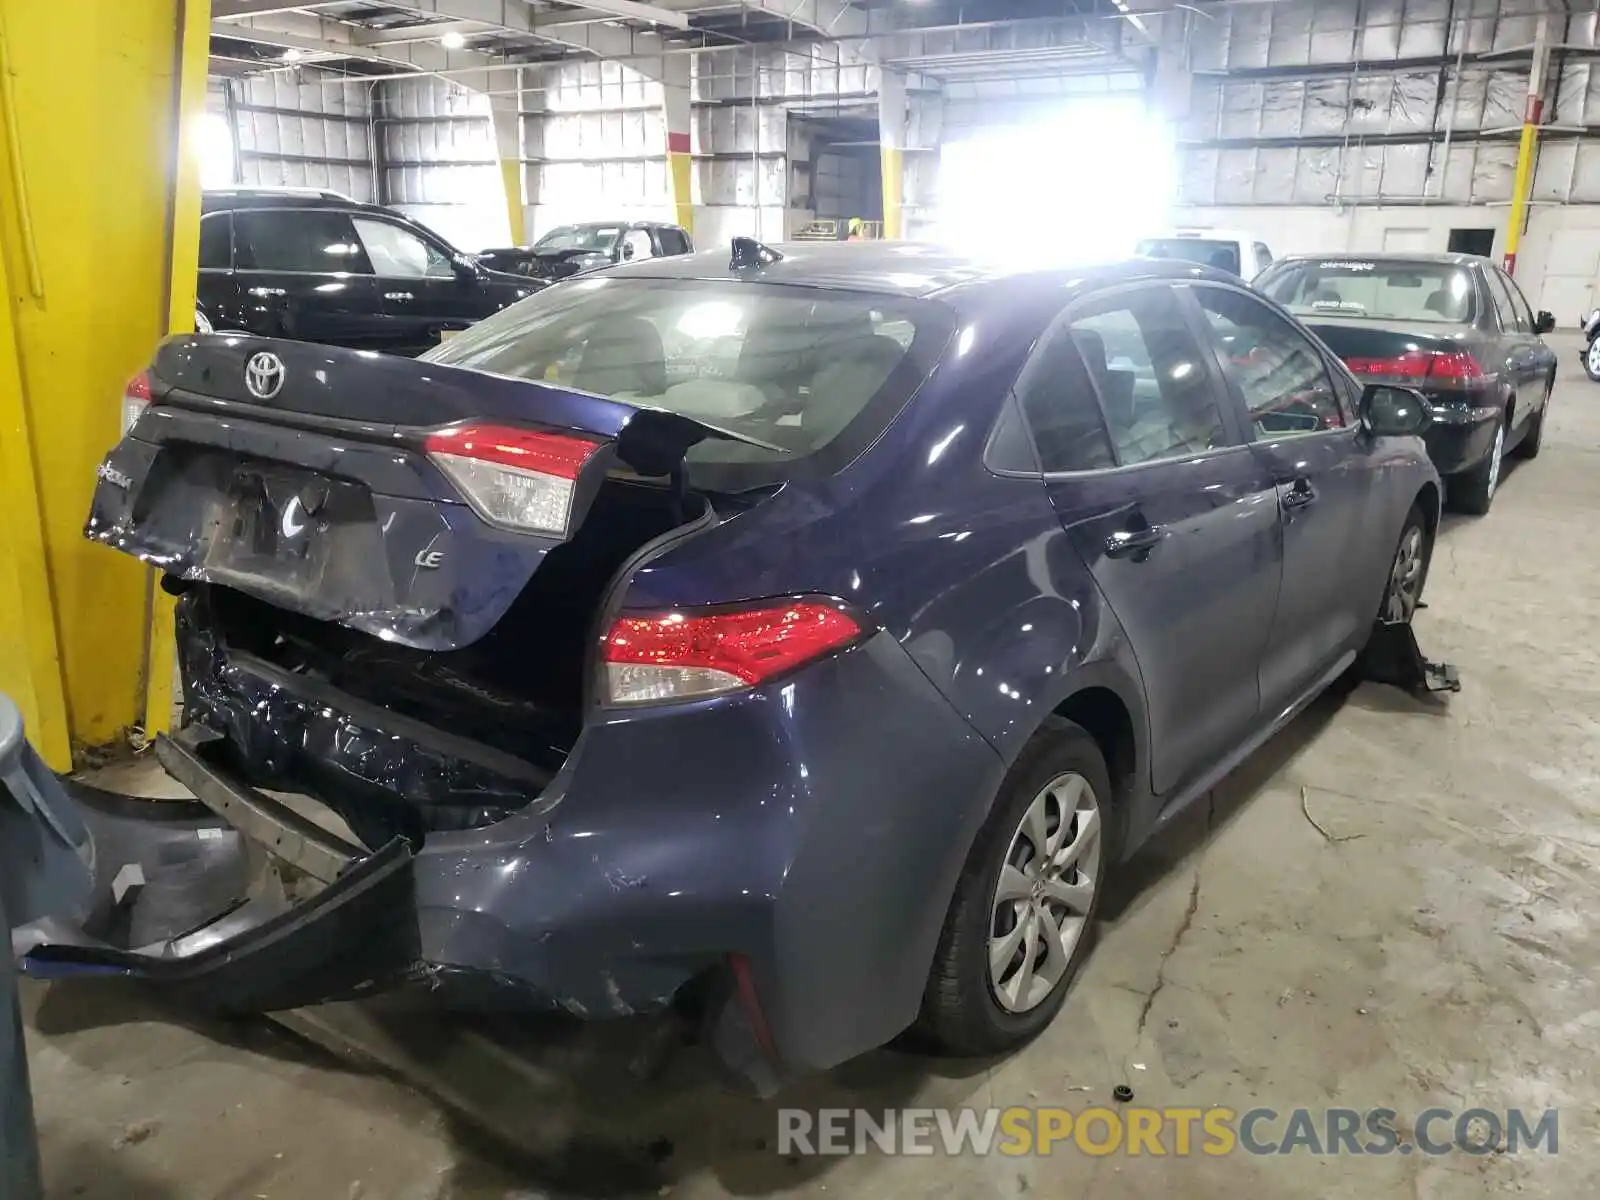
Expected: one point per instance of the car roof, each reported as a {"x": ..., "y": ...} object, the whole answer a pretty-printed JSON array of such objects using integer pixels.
[
  {"x": 909, "y": 269},
  {"x": 230, "y": 200},
  {"x": 620, "y": 222},
  {"x": 1451, "y": 259},
  {"x": 1200, "y": 234}
]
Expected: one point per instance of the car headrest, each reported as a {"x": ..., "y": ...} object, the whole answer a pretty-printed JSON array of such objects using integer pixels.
[
  {"x": 622, "y": 354},
  {"x": 1093, "y": 348}
]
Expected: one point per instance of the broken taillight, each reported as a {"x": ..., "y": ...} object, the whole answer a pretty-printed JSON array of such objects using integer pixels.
[
  {"x": 682, "y": 655},
  {"x": 135, "y": 399},
  {"x": 520, "y": 478}
]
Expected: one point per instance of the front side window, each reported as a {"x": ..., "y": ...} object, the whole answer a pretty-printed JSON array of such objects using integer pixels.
[
  {"x": 636, "y": 245},
  {"x": 1367, "y": 289},
  {"x": 301, "y": 241},
  {"x": 792, "y": 367},
  {"x": 397, "y": 253},
  {"x": 1285, "y": 382},
  {"x": 1150, "y": 376}
]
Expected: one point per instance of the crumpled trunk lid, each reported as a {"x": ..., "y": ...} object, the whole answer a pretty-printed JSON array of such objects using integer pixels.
[{"x": 306, "y": 483}]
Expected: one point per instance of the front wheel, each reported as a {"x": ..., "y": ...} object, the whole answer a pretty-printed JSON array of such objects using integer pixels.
[
  {"x": 1408, "y": 570},
  {"x": 1591, "y": 360},
  {"x": 1022, "y": 919}
]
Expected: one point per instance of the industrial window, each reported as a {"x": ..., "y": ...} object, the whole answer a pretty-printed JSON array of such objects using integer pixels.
[
  {"x": 1150, "y": 375},
  {"x": 1284, "y": 380},
  {"x": 297, "y": 240},
  {"x": 216, "y": 242},
  {"x": 397, "y": 253}
]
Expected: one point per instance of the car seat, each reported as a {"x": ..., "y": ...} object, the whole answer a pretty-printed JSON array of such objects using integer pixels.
[
  {"x": 622, "y": 355},
  {"x": 841, "y": 387},
  {"x": 1447, "y": 304}
]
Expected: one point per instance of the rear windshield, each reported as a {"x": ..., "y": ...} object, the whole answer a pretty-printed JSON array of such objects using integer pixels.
[
  {"x": 1389, "y": 291},
  {"x": 579, "y": 237},
  {"x": 1209, "y": 252},
  {"x": 812, "y": 374}
]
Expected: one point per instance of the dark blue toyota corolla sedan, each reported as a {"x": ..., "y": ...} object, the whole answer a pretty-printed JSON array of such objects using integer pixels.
[{"x": 799, "y": 639}]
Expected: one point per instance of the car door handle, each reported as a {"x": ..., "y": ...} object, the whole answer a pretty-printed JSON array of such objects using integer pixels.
[
  {"x": 1298, "y": 496},
  {"x": 1126, "y": 542},
  {"x": 398, "y": 296},
  {"x": 266, "y": 291}
]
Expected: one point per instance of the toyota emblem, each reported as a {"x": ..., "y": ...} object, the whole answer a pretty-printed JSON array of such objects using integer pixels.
[{"x": 263, "y": 375}]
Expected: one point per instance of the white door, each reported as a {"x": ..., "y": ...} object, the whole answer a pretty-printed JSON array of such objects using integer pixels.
[{"x": 1572, "y": 266}]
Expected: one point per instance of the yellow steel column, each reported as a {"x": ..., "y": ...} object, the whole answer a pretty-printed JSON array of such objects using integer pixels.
[
  {"x": 891, "y": 150},
  {"x": 505, "y": 116},
  {"x": 676, "y": 114},
  {"x": 97, "y": 261},
  {"x": 1527, "y": 149}
]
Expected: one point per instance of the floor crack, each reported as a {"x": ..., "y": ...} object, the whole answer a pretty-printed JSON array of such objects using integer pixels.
[{"x": 1177, "y": 937}]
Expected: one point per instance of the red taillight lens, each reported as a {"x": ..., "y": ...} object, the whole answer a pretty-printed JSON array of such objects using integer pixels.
[
  {"x": 1433, "y": 366},
  {"x": 135, "y": 399},
  {"x": 521, "y": 478},
  {"x": 681, "y": 655}
]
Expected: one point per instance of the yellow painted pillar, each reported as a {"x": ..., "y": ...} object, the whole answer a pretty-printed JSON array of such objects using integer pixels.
[
  {"x": 1528, "y": 147},
  {"x": 99, "y": 225},
  {"x": 676, "y": 110},
  {"x": 891, "y": 150},
  {"x": 505, "y": 115}
]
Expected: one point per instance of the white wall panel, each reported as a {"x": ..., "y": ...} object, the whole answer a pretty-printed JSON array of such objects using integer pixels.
[{"x": 304, "y": 128}]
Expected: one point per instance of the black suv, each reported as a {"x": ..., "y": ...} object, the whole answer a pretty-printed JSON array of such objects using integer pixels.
[
  {"x": 569, "y": 249},
  {"x": 320, "y": 267}
]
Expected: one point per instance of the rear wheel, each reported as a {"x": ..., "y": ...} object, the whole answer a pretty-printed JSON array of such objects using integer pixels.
[
  {"x": 1591, "y": 360},
  {"x": 1528, "y": 447},
  {"x": 1472, "y": 491},
  {"x": 1022, "y": 919}
]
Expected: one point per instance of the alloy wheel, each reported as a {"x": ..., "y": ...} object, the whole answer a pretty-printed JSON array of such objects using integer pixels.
[
  {"x": 1592, "y": 358},
  {"x": 1045, "y": 892},
  {"x": 1496, "y": 455},
  {"x": 1405, "y": 577}
]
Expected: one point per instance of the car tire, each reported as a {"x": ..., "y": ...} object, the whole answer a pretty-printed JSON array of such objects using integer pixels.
[
  {"x": 965, "y": 1010},
  {"x": 1533, "y": 439},
  {"x": 1408, "y": 569},
  {"x": 1591, "y": 360},
  {"x": 1472, "y": 491}
]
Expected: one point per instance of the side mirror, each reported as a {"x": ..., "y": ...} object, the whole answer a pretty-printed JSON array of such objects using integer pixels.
[
  {"x": 465, "y": 268},
  {"x": 1388, "y": 411},
  {"x": 1544, "y": 322}
]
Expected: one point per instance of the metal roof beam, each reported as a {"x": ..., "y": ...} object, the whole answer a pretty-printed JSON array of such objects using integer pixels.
[
  {"x": 227, "y": 10},
  {"x": 517, "y": 17}
]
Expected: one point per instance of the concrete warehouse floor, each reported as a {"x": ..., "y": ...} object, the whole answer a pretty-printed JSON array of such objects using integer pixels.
[{"x": 1436, "y": 946}]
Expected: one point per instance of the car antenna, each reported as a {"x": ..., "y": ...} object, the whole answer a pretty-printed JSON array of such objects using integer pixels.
[{"x": 747, "y": 252}]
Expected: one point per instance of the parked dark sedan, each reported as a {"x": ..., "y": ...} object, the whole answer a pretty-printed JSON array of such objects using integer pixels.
[
  {"x": 801, "y": 644},
  {"x": 568, "y": 250},
  {"x": 322, "y": 268},
  {"x": 1454, "y": 325}
]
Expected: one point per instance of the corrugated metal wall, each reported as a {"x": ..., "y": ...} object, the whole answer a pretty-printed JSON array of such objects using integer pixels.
[
  {"x": 436, "y": 152},
  {"x": 1278, "y": 115},
  {"x": 304, "y": 129}
]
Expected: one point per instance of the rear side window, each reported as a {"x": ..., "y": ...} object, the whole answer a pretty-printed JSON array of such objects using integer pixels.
[
  {"x": 1511, "y": 316},
  {"x": 1062, "y": 409},
  {"x": 216, "y": 242},
  {"x": 673, "y": 241},
  {"x": 1150, "y": 376},
  {"x": 1209, "y": 252},
  {"x": 1285, "y": 382},
  {"x": 299, "y": 240}
]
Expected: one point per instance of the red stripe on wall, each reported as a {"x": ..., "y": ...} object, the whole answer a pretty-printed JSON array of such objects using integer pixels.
[{"x": 677, "y": 143}]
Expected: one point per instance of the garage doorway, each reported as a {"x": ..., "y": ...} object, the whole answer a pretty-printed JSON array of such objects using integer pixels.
[{"x": 1472, "y": 241}]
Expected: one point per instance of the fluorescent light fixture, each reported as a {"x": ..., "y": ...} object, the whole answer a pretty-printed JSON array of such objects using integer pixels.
[
  {"x": 453, "y": 40},
  {"x": 291, "y": 55}
]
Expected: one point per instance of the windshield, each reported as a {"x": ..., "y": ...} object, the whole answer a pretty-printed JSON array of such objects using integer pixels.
[
  {"x": 1388, "y": 291},
  {"x": 1208, "y": 252},
  {"x": 579, "y": 237},
  {"x": 800, "y": 369}
]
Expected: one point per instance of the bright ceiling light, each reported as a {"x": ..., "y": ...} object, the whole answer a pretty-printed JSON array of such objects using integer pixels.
[
  {"x": 291, "y": 55},
  {"x": 452, "y": 41}
]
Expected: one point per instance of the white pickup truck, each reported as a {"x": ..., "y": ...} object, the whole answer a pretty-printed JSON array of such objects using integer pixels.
[{"x": 1244, "y": 254}]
